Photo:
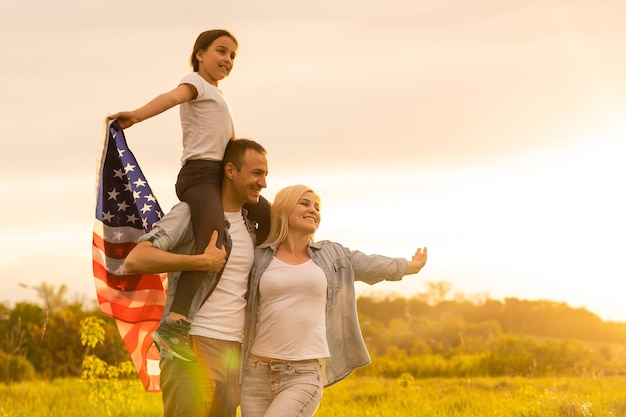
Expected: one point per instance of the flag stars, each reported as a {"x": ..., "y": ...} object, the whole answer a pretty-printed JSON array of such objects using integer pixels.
[
  {"x": 118, "y": 173},
  {"x": 113, "y": 194},
  {"x": 145, "y": 208},
  {"x": 125, "y": 198},
  {"x": 129, "y": 168},
  {"x": 122, "y": 206},
  {"x": 107, "y": 216},
  {"x": 140, "y": 183}
]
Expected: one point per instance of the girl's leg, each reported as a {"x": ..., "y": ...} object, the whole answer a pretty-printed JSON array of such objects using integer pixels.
[
  {"x": 199, "y": 184},
  {"x": 259, "y": 213},
  {"x": 207, "y": 215}
]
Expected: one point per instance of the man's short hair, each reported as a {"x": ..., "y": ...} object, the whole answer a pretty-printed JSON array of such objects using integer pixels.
[{"x": 236, "y": 149}]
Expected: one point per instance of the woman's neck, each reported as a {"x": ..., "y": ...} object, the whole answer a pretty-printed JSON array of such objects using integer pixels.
[{"x": 294, "y": 250}]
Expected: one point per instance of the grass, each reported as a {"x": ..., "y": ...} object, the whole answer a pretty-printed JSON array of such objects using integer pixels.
[
  {"x": 355, "y": 397},
  {"x": 73, "y": 398},
  {"x": 492, "y": 397}
]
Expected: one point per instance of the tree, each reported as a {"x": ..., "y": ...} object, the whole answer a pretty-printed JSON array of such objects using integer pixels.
[{"x": 53, "y": 299}]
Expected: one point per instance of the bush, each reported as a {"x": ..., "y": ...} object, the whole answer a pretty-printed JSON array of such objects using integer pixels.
[{"x": 14, "y": 368}]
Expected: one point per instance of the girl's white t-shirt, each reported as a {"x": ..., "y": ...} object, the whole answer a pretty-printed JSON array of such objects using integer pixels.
[{"x": 206, "y": 122}]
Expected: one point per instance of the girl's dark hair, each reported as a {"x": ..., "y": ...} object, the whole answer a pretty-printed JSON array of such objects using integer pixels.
[{"x": 205, "y": 39}]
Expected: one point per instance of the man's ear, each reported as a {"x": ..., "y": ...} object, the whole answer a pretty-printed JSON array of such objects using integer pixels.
[{"x": 229, "y": 170}]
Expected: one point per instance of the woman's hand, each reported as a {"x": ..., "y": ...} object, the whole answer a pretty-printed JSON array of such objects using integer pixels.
[{"x": 418, "y": 260}]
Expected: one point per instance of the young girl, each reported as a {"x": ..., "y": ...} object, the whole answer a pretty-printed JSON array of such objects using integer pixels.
[
  {"x": 207, "y": 127},
  {"x": 302, "y": 332}
]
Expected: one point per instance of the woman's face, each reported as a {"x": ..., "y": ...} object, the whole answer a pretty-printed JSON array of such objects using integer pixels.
[{"x": 305, "y": 216}]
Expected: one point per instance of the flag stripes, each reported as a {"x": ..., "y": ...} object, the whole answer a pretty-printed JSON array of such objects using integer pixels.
[{"x": 125, "y": 210}]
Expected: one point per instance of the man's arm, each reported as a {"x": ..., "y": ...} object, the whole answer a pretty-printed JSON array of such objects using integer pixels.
[{"x": 146, "y": 259}]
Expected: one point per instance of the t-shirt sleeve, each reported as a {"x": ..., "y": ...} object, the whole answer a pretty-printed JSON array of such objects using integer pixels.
[{"x": 195, "y": 80}]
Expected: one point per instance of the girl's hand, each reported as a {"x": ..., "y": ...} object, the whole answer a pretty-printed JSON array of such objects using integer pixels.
[{"x": 125, "y": 119}]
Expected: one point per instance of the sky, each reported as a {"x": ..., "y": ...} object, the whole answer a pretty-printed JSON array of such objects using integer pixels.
[{"x": 491, "y": 132}]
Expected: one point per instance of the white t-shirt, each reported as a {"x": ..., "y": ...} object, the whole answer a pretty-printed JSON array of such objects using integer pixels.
[
  {"x": 222, "y": 316},
  {"x": 292, "y": 312},
  {"x": 206, "y": 121}
]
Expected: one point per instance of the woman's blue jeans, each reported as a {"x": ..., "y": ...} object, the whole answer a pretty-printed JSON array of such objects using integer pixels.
[{"x": 281, "y": 388}]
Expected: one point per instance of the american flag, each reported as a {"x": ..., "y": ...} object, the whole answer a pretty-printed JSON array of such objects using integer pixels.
[{"x": 125, "y": 210}]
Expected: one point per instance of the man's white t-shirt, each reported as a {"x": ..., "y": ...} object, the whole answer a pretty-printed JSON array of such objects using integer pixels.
[{"x": 222, "y": 316}]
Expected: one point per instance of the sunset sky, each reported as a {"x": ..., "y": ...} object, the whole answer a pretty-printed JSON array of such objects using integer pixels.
[{"x": 492, "y": 132}]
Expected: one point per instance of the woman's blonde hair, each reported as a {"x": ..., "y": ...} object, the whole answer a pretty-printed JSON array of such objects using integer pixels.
[{"x": 284, "y": 202}]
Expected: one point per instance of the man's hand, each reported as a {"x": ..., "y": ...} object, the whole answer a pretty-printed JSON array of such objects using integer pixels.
[
  {"x": 213, "y": 258},
  {"x": 144, "y": 258}
]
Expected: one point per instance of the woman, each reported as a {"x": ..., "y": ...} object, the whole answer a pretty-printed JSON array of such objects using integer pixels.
[{"x": 302, "y": 331}]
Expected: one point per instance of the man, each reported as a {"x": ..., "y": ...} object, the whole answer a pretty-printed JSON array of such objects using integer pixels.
[{"x": 210, "y": 386}]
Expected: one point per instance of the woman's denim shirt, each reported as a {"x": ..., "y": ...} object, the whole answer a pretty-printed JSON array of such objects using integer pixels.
[{"x": 342, "y": 268}]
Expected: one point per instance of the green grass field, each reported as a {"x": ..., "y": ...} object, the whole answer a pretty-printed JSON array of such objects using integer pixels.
[{"x": 354, "y": 397}]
